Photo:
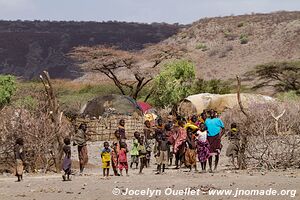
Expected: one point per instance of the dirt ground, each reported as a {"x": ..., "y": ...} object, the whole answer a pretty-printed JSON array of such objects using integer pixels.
[{"x": 174, "y": 184}]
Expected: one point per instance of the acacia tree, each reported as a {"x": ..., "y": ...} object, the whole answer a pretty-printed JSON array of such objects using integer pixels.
[
  {"x": 283, "y": 76},
  {"x": 130, "y": 71}
]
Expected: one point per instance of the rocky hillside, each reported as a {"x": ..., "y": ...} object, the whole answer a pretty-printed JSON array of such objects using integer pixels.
[
  {"x": 225, "y": 46},
  {"x": 29, "y": 47}
]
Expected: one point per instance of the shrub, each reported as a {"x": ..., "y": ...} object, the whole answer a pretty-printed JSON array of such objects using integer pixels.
[
  {"x": 244, "y": 39},
  {"x": 201, "y": 46},
  {"x": 7, "y": 88},
  {"x": 267, "y": 148},
  {"x": 214, "y": 86},
  {"x": 229, "y": 35},
  {"x": 241, "y": 24}
]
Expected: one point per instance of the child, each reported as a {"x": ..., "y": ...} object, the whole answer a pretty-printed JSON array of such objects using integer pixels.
[
  {"x": 234, "y": 145},
  {"x": 170, "y": 138},
  {"x": 142, "y": 154},
  {"x": 114, "y": 158},
  {"x": 67, "y": 163},
  {"x": 19, "y": 156},
  {"x": 148, "y": 133},
  {"x": 190, "y": 152},
  {"x": 123, "y": 158},
  {"x": 163, "y": 147},
  {"x": 202, "y": 147},
  {"x": 134, "y": 150},
  {"x": 105, "y": 156}
]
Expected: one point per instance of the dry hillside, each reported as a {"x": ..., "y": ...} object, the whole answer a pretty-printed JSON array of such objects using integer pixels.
[
  {"x": 29, "y": 47},
  {"x": 214, "y": 44}
]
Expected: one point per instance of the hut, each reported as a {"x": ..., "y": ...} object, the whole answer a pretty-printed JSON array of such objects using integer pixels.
[
  {"x": 103, "y": 113},
  {"x": 195, "y": 104}
]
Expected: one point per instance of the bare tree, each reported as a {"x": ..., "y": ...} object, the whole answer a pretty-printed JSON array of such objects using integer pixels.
[
  {"x": 56, "y": 117},
  {"x": 138, "y": 67},
  {"x": 244, "y": 136}
]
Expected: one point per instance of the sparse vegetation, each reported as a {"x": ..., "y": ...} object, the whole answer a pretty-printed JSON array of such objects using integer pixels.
[
  {"x": 282, "y": 76},
  {"x": 7, "y": 88},
  {"x": 202, "y": 47},
  {"x": 214, "y": 86},
  {"x": 229, "y": 35},
  {"x": 244, "y": 39},
  {"x": 241, "y": 24},
  {"x": 108, "y": 61},
  {"x": 271, "y": 143}
]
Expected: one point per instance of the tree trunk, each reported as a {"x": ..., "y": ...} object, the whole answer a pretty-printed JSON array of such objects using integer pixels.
[{"x": 56, "y": 117}]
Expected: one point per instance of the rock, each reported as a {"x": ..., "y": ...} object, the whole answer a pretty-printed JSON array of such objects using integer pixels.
[
  {"x": 20, "y": 195},
  {"x": 231, "y": 184},
  {"x": 28, "y": 185},
  {"x": 85, "y": 184},
  {"x": 263, "y": 173}
]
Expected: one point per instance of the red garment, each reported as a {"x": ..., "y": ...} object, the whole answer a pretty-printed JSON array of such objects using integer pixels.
[
  {"x": 122, "y": 155},
  {"x": 180, "y": 137},
  {"x": 114, "y": 158},
  {"x": 123, "y": 165}
]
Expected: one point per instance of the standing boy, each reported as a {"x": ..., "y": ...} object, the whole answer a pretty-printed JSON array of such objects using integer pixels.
[
  {"x": 142, "y": 155},
  {"x": 105, "y": 156},
  {"x": 19, "y": 156},
  {"x": 163, "y": 147},
  {"x": 134, "y": 150},
  {"x": 67, "y": 162},
  {"x": 234, "y": 145}
]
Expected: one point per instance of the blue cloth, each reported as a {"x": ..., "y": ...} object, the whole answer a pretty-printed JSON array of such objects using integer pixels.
[
  {"x": 214, "y": 126},
  {"x": 105, "y": 150}
]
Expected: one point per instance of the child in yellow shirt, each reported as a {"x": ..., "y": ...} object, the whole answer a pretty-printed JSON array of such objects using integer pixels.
[{"x": 105, "y": 156}]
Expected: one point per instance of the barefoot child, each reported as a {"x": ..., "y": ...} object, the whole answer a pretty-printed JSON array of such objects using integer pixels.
[
  {"x": 19, "y": 156},
  {"x": 142, "y": 155},
  {"x": 105, "y": 156},
  {"x": 114, "y": 158},
  {"x": 190, "y": 153},
  {"x": 67, "y": 163},
  {"x": 122, "y": 155},
  {"x": 134, "y": 150},
  {"x": 202, "y": 147},
  {"x": 234, "y": 145},
  {"x": 163, "y": 147}
]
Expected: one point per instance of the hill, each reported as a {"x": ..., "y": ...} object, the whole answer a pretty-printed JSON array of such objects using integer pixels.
[
  {"x": 222, "y": 47},
  {"x": 29, "y": 47}
]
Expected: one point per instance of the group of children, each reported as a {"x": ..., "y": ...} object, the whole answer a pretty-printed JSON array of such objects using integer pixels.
[{"x": 186, "y": 139}]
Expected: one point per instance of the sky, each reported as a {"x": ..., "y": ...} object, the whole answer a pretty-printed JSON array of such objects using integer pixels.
[{"x": 144, "y": 11}]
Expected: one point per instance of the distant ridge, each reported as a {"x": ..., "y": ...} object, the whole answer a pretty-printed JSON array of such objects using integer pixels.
[{"x": 29, "y": 47}]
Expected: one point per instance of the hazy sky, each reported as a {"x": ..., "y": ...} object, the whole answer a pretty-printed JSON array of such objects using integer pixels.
[{"x": 170, "y": 11}]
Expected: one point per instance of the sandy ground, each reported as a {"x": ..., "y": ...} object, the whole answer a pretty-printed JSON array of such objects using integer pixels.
[{"x": 93, "y": 186}]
